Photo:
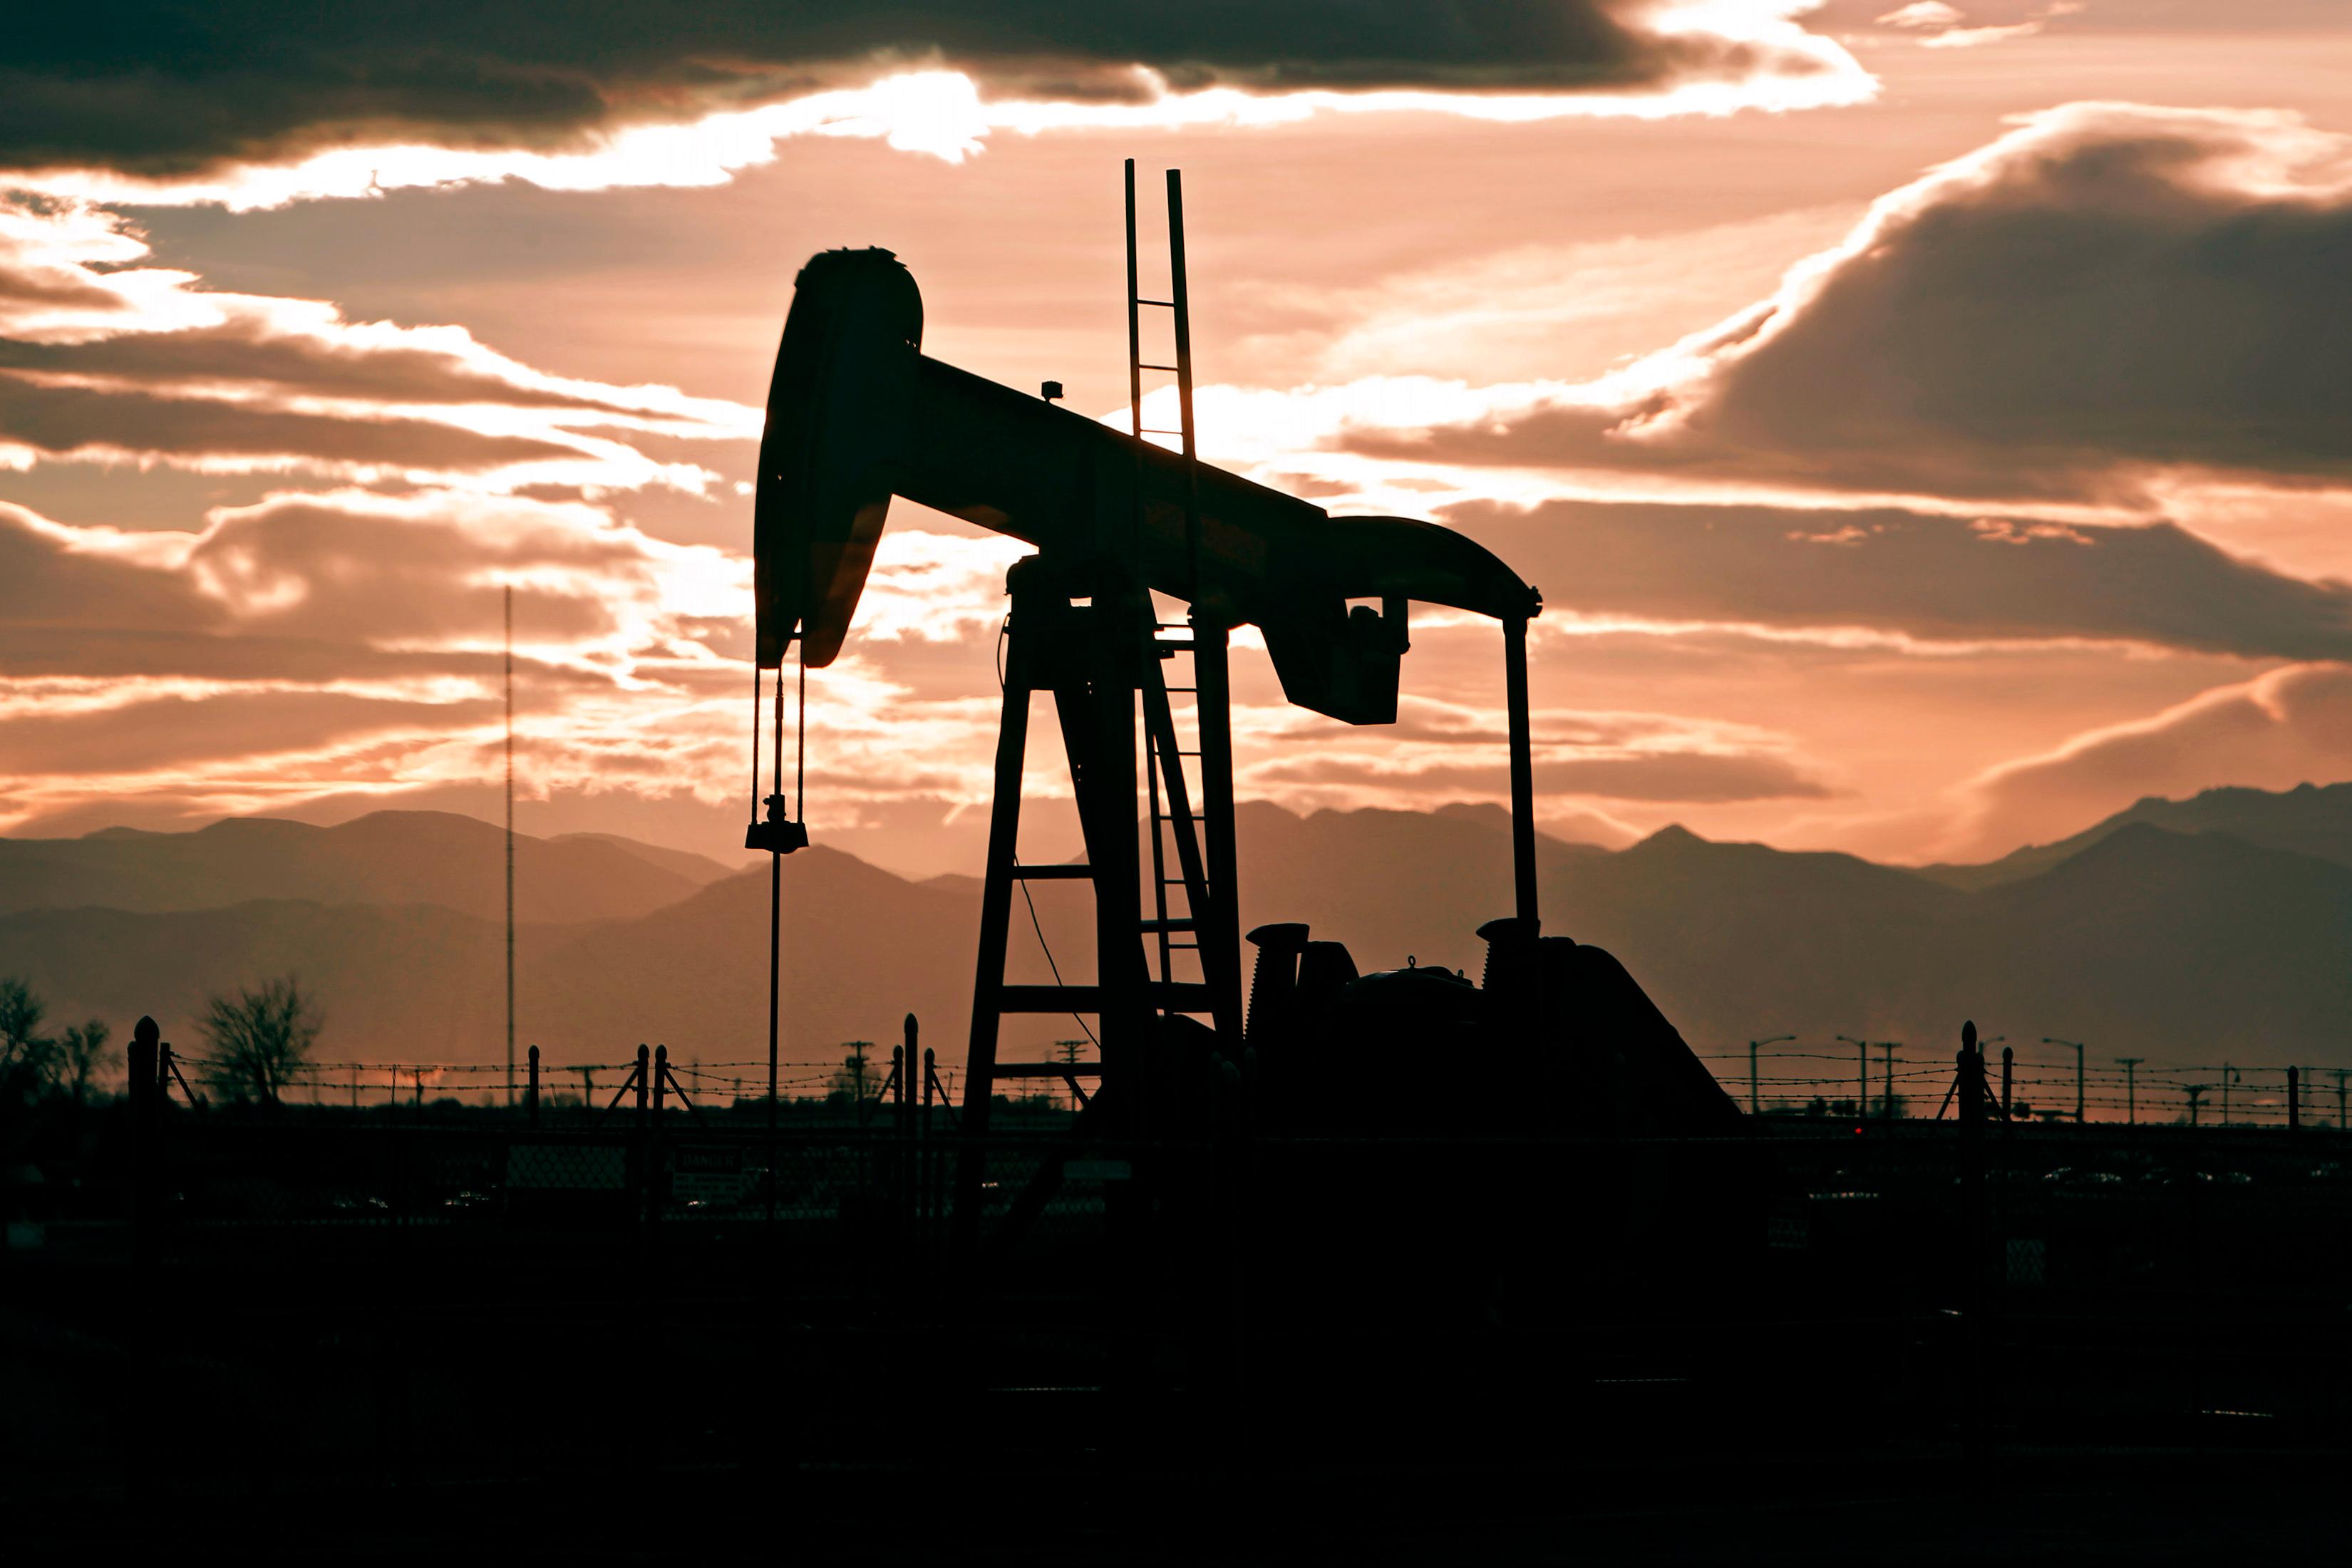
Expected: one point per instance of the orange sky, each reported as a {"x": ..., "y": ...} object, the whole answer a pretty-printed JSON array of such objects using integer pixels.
[{"x": 1929, "y": 430}]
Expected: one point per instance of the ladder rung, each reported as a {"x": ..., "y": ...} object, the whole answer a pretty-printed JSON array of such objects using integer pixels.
[
  {"x": 1180, "y": 691},
  {"x": 1163, "y": 304},
  {"x": 1146, "y": 364},
  {"x": 1182, "y": 923},
  {"x": 1059, "y": 871},
  {"x": 1189, "y": 996},
  {"x": 1049, "y": 999},
  {"x": 1147, "y": 430}
]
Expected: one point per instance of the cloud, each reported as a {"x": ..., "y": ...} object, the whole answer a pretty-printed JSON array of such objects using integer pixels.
[
  {"x": 1923, "y": 14},
  {"x": 164, "y": 94},
  {"x": 1933, "y": 577},
  {"x": 1420, "y": 760},
  {"x": 105, "y": 357},
  {"x": 2108, "y": 294},
  {"x": 345, "y": 646},
  {"x": 2288, "y": 727}
]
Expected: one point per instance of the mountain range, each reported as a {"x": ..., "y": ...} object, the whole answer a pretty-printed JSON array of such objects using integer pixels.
[{"x": 2195, "y": 930}]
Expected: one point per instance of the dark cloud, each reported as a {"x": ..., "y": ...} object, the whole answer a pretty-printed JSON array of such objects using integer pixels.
[
  {"x": 48, "y": 585},
  {"x": 1694, "y": 777},
  {"x": 2109, "y": 291},
  {"x": 1933, "y": 577},
  {"x": 171, "y": 86},
  {"x": 162, "y": 732},
  {"x": 242, "y": 353},
  {"x": 68, "y": 420}
]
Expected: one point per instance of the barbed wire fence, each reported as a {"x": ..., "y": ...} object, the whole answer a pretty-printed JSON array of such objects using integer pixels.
[
  {"x": 1890, "y": 1085},
  {"x": 563, "y": 1085},
  {"x": 1837, "y": 1083}
]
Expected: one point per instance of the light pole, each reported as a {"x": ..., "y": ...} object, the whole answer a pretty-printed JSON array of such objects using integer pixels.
[
  {"x": 2047, "y": 1040},
  {"x": 2131, "y": 1098},
  {"x": 1860, "y": 1075},
  {"x": 2228, "y": 1076},
  {"x": 1754, "y": 1046},
  {"x": 1886, "y": 1100}
]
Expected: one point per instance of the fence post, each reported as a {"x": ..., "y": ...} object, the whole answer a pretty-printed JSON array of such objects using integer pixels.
[
  {"x": 1972, "y": 1200},
  {"x": 2293, "y": 1100},
  {"x": 903, "y": 1061},
  {"x": 928, "y": 1174},
  {"x": 146, "y": 1135},
  {"x": 653, "y": 1182},
  {"x": 530, "y": 1095},
  {"x": 639, "y": 1176}
]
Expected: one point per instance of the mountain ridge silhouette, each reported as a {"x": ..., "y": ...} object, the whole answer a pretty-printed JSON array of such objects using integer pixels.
[{"x": 2180, "y": 946}]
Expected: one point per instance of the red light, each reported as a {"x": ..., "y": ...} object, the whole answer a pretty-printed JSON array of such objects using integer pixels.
[{"x": 1857, "y": 1131}]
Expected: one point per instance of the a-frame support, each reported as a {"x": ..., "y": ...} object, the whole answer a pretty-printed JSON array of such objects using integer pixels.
[{"x": 1086, "y": 633}]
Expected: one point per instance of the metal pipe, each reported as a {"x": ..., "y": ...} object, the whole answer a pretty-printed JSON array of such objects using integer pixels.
[
  {"x": 1180, "y": 295},
  {"x": 1523, "y": 772}
]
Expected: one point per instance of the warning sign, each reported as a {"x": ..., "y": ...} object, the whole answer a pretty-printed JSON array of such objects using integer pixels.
[{"x": 704, "y": 1174}]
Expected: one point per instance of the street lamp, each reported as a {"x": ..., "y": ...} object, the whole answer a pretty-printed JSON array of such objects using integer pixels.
[
  {"x": 1862, "y": 1075},
  {"x": 2078, "y": 1073},
  {"x": 1754, "y": 1046}
]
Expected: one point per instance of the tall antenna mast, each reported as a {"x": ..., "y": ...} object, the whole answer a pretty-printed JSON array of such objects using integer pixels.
[{"x": 510, "y": 1081}]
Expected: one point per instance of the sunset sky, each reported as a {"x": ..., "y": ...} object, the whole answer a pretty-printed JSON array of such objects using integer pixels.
[{"x": 1930, "y": 429}]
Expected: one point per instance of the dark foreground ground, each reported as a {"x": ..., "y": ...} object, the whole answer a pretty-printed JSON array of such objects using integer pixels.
[
  {"x": 178, "y": 1449},
  {"x": 2121, "y": 1350}
]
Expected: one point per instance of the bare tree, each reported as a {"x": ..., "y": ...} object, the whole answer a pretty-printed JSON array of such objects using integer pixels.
[
  {"x": 24, "y": 1049},
  {"x": 258, "y": 1038},
  {"x": 75, "y": 1068}
]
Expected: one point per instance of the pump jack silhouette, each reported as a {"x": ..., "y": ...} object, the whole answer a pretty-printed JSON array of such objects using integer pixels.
[{"x": 859, "y": 414}]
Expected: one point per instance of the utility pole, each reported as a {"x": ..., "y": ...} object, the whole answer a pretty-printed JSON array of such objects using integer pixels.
[
  {"x": 855, "y": 1063},
  {"x": 1072, "y": 1052},
  {"x": 2341, "y": 1073},
  {"x": 510, "y": 1083},
  {"x": 2047, "y": 1040},
  {"x": 2228, "y": 1076},
  {"x": 2131, "y": 1082},
  {"x": 1862, "y": 1075},
  {"x": 1754, "y": 1046},
  {"x": 1887, "y": 1102}
]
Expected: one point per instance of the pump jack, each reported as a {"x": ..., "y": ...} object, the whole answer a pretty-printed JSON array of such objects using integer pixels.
[{"x": 857, "y": 413}]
